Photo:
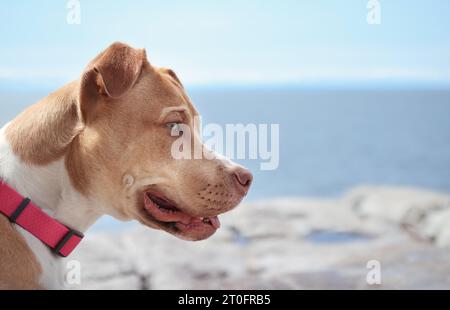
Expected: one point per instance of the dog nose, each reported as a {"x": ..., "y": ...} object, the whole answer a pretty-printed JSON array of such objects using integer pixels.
[{"x": 243, "y": 177}]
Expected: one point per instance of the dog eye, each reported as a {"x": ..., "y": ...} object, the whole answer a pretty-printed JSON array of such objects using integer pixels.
[{"x": 175, "y": 129}]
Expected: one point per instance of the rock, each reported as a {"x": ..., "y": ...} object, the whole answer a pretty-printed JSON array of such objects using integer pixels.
[
  {"x": 287, "y": 244},
  {"x": 423, "y": 212}
]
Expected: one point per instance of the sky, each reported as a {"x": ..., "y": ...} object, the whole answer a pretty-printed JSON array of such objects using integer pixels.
[{"x": 233, "y": 41}]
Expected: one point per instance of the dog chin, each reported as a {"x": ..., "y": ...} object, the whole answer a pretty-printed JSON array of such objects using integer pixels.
[{"x": 188, "y": 233}]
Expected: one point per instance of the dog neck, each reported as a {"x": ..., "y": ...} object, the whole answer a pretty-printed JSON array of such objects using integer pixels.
[{"x": 33, "y": 148}]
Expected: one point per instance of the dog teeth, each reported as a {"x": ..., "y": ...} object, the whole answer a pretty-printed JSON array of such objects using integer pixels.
[{"x": 206, "y": 220}]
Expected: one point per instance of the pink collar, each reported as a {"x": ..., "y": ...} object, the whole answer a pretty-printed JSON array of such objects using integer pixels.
[{"x": 21, "y": 211}]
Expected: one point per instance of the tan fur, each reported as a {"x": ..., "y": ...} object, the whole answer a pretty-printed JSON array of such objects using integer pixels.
[
  {"x": 128, "y": 136},
  {"x": 121, "y": 97},
  {"x": 109, "y": 124},
  {"x": 42, "y": 133},
  {"x": 19, "y": 268}
]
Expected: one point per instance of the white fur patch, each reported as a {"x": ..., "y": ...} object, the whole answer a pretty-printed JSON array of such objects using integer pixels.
[{"x": 49, "y": 188}]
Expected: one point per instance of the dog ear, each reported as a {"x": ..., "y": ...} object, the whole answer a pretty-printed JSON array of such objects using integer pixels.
[
  {"x": 173, "y": 75},
  {"x": 111, "y": 74}
]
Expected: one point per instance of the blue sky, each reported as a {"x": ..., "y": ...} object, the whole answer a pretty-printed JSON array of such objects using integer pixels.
[{"x": 207, "y": 42}]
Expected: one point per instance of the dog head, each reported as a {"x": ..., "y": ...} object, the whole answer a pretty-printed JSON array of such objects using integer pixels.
[{"x": 134, "y": 115}]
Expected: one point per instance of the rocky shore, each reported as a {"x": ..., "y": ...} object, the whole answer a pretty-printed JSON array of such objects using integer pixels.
[{"x": 288, "y": 243}]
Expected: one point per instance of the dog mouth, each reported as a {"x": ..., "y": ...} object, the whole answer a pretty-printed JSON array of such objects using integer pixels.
[{"x": 172, "y": 219}]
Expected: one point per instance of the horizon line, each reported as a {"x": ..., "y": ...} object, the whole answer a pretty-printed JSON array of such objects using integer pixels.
[{"x": 346, "y": 83}]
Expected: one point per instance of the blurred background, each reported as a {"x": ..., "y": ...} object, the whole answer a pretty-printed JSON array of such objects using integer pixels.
[{"x": 359, "y": 104}]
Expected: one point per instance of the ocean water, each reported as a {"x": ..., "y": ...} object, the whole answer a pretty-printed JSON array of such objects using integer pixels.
[{"x": 330, "y": 140}]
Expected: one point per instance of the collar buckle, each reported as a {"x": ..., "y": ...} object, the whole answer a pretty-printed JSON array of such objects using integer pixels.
[{"x": 72, "y": 232}]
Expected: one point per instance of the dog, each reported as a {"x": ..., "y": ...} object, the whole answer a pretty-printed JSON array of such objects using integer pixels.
[{"x": 101, "y": 145}]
